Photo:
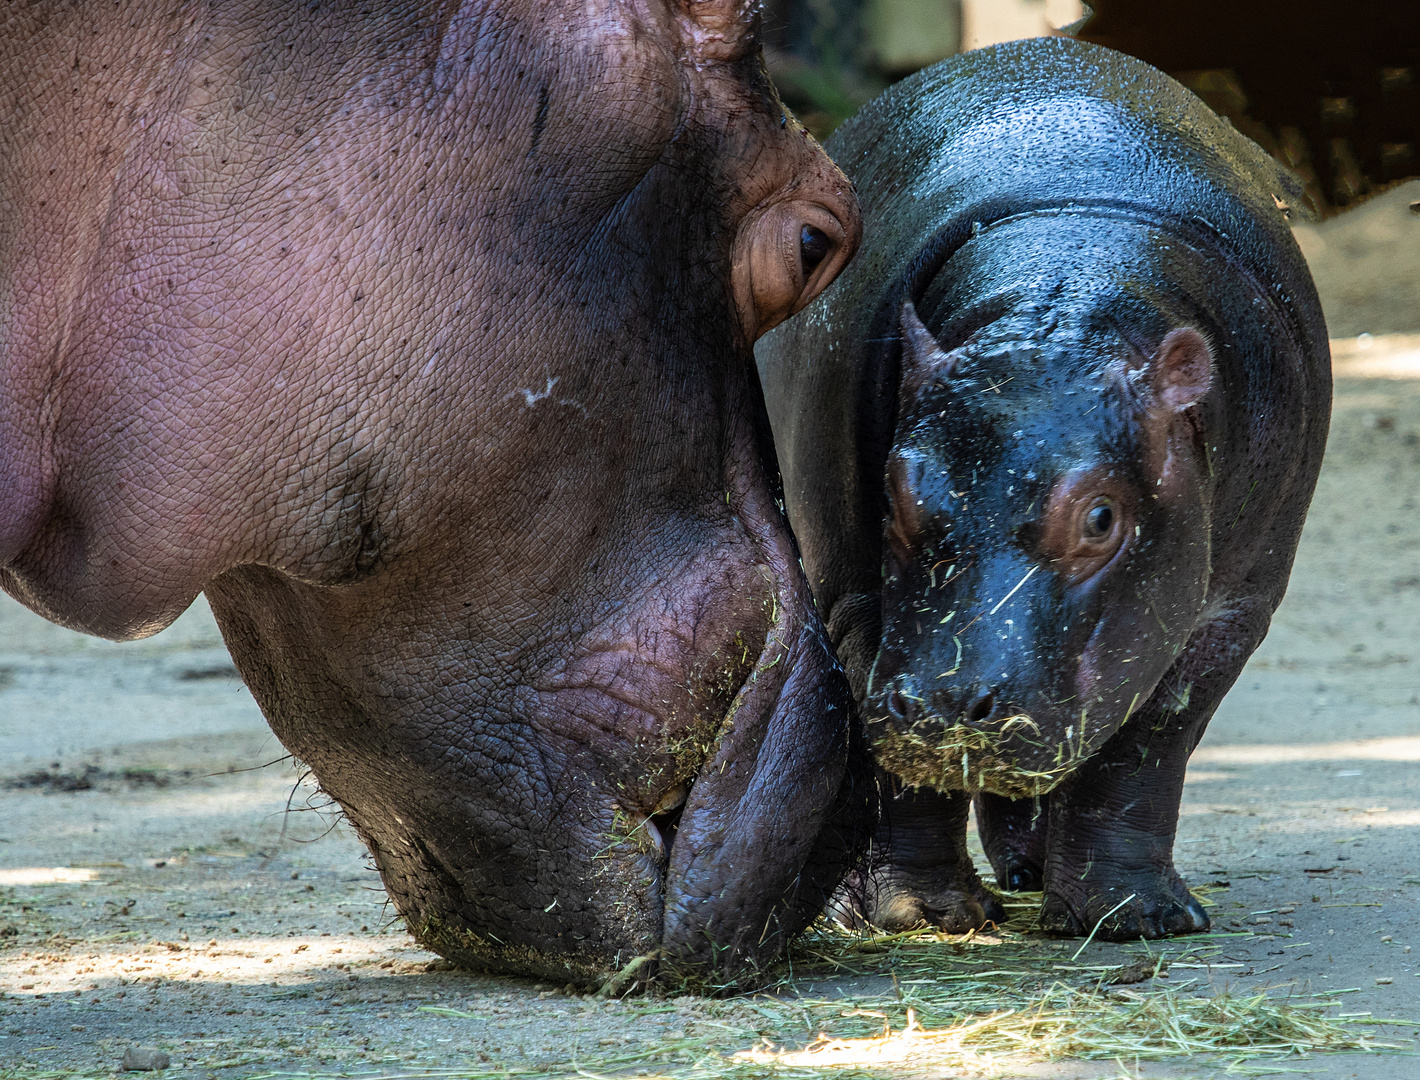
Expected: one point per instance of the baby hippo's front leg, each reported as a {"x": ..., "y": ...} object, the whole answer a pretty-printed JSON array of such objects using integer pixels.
[
  {"x": 1112, "y": 822},
  {"x": 920, "y": 873},
  {"x": 1013, "y": 832},
  {"x": 1109, "y": 852}
]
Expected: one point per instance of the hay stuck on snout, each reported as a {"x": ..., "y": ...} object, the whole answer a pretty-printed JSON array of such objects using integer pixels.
[{"x": 955, "y": 756}]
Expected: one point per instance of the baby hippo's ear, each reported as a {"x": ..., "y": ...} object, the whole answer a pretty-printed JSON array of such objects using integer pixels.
[
  {"x": 1182, "y": 370},
  {"x": 922, "y": 358}
]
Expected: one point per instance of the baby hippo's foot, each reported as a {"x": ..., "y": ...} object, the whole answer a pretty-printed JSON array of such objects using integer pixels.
[
  {"x": 893, "y": 901},
  {"x": 1013, "y": 832},
  {"x": 920, "y": 873},
  {"x": 1150, "y": 903}
]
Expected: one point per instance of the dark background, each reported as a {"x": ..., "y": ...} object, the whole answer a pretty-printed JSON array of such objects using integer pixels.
[{"x": 1330, "y": 89}]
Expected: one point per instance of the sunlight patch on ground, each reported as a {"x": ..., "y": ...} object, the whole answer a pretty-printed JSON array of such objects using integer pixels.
[
  {"x": 46, "y": 875},
  {"x": 1378, "y": 356},
  {"x": 1203, "y": 776},
  {"x": 1318, "y": 819},
  {"x": 1399, "y": 748},
  {"x": 1347, "y": 822},
  {"x": 290, "y": 960}
]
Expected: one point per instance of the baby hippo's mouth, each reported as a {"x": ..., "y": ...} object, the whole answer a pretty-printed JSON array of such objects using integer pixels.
[{"x": 992, "y": 744}]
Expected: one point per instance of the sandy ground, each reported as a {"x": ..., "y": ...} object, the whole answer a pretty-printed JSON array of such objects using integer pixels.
[{"x": 167, "y": 881}]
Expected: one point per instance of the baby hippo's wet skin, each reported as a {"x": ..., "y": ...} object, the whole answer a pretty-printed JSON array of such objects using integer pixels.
[{"x": 1048, "y": 448}]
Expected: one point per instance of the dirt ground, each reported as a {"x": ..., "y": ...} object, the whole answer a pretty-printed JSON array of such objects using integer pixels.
[{"x": 167, "y": 881}]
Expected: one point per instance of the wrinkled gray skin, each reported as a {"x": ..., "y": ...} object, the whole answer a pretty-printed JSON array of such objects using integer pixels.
[
  {"x": 418, "y": 336},
  {"x": 1048, "y": 447}
]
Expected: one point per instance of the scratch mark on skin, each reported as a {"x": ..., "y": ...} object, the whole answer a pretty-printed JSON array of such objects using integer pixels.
[
  {"x": 530, "y": 397},
  {"x": 539, "y": 118}
]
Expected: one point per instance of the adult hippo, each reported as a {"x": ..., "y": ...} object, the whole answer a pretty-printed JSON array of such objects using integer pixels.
[
  {"x": 419, "y": 337},
  {"x": 1048, "y": 447}
]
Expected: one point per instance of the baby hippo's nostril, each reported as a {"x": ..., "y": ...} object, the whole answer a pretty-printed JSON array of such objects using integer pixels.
[
  {"x": 897, "y": 706},
  {"x": 981, "y": 708}
]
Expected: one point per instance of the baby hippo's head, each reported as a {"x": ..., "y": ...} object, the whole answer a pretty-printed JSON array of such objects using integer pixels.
[{"x": 1046, "y": 547}]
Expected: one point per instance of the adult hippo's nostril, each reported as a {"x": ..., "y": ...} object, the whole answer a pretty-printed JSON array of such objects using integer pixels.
[
  {"x": 661, "y": 822},
  {"x": 665, "y": 818},
  {"x": 981, "y": 708}
]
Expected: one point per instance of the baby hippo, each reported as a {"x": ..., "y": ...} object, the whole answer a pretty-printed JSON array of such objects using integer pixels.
[{"x": 1048, "y": 447}]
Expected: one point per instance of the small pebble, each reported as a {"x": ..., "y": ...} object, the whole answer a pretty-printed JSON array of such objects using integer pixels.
[
  {"x": 144, "y": 1059},
  {"x": 1383, "y": 982}
]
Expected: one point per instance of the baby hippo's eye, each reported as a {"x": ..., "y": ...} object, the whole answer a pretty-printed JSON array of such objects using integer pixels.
[
  {"x": 1098, "y": 520},
  {"x": 1088, "y": 519}
]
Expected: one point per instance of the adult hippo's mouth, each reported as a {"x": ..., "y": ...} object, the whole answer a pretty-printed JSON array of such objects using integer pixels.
[{"x": 671, "y": 799}]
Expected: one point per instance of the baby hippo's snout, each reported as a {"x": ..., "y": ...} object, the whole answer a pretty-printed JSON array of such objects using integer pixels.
[
  {"x": 973, "y": 735},
  {"x": 906, "y": 707}
]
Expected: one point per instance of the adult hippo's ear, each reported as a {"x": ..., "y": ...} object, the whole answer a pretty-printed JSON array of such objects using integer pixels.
[
  {"x": 785, "y": 255},
  {"x": 722, "y": 29}
]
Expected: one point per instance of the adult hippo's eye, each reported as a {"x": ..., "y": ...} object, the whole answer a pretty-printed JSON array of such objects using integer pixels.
[
  {"x": 1098, "y": 520},
  {"x": 785, "y": 256},
  {"x": 813, "y": 248}
]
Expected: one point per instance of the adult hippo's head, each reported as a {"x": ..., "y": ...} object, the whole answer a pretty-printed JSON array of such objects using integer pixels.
[{"x": 418, "y": 336}]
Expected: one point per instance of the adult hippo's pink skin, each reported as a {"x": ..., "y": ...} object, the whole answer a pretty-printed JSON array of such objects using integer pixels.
[{"x": 418, "y": 336}]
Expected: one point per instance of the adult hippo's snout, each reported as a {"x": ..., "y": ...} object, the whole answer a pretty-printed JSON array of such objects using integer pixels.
[
  {"x": 672, "y": 790},
  {"x": 772, "y": 796},
  {"x": 419, "y": 337}
]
